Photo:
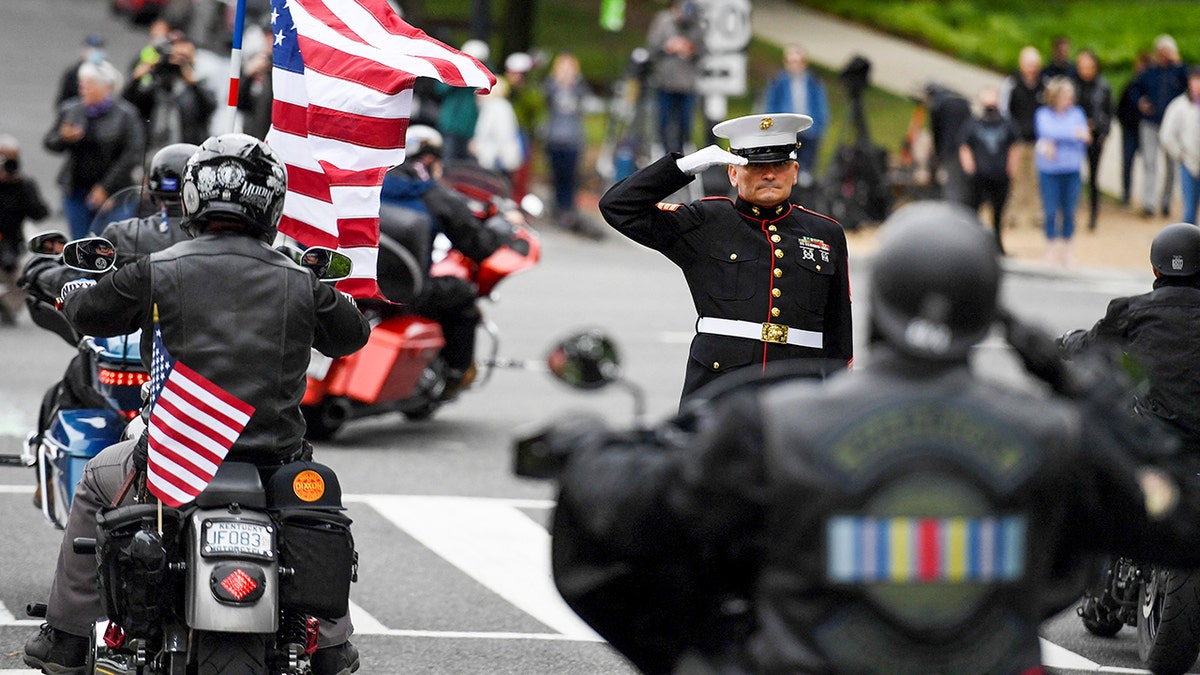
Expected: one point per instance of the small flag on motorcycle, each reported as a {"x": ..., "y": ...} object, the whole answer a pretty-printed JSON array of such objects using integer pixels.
[{"x": 193, "y": 423}]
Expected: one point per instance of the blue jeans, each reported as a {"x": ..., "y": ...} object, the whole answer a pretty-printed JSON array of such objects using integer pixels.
[
  {"x": 1060, "y": 194},
  {"x": 564, "y": 166},
  {"x": 674, "y": 120},
  {"x": 1129, "y": 150},
  {"x": 1190, "y": 185},
  {"x": 79, "y": 214}
]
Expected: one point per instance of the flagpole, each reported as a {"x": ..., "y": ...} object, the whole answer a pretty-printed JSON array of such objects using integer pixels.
[{"x": 235, "y": 65}]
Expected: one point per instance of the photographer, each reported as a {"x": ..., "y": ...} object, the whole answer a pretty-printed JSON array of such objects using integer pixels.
[
  {"x": 169, "y": 95},
  {"x": 19, "y": 199}
]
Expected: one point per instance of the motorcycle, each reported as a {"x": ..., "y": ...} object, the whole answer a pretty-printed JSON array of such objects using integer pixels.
[
  {"x": 111, "y": 368},
  {"x": 1162, "y": 603},
  {"x": 400, "y": 368},
  {"x": 233, "y": 581}
]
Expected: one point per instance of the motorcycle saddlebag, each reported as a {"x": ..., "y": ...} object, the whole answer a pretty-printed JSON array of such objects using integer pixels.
[
  {"x": 318, "y": 547},
  {"x": 137, "y": 586}
]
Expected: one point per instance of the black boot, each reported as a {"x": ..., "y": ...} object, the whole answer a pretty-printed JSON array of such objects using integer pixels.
[
  {"x": 339, "y": 660},
  {"x": 57, "y": 653}
]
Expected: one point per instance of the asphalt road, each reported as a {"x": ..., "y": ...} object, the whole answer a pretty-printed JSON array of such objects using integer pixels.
[{"x": 454, "y": 574}]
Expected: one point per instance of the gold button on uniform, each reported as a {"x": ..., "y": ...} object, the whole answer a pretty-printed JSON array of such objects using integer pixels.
[
  {"x": 778, "y": 253},
  {"x": 771, "y": 228},
  {"x": 774, "y": 311},
  {"x": 775, "y": 238},
  {"x": 775, "y": 292},
  {"x": 716, "y": 365},
  {"x": 818, "y": 268},
  {"x": 778, "y": 272},
  {"x": 733, "y": 256}
]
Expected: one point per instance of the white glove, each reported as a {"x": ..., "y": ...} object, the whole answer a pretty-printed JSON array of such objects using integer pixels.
[
  {"x": 706, "y": 158},
  {"x": 73, "y": 286}
]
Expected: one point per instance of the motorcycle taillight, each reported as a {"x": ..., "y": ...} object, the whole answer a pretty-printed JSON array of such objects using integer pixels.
[
  {"x": 114, "y": 636},
  {"x": 122, "y": 378}
]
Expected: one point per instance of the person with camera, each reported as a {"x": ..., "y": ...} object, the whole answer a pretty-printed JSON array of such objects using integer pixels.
[
  {"x": 20, "y": 200},
  {"x": 103, "y": 141},
  {"x": 912, "y": 517},
  {"x": 166, "y": 90},
  {"x": 239, "y": 313}
]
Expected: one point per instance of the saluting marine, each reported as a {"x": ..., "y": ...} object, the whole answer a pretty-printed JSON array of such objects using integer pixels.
[{"x": 769, "y": 279}]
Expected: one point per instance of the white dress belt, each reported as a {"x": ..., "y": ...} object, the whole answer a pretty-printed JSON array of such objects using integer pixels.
[{"x": 765, "y": 332}]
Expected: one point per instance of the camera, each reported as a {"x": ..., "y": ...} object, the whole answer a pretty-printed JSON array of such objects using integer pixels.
[{"x": 11, "y": 165}]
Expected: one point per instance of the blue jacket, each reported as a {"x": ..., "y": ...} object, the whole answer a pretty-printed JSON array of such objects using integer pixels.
[
  {"x": 1160, "y": 84},
  {"x": 779, "y": 99}
]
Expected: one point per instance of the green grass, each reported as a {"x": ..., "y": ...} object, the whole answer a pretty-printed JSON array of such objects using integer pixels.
[{"x": 991, "y": 32}]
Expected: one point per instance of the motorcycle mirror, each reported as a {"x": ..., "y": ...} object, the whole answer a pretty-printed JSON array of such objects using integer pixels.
[
  {"x": 94, "y": 254},
  {"x": 48, "y": 244},
  {"x": 533, "y": 205},
  {"x": 585, "y": 360},
  {"x": 326, "y": 263}
]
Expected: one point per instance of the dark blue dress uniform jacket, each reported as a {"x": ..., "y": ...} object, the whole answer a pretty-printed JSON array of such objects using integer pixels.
[{"x": 783, "y": 265}]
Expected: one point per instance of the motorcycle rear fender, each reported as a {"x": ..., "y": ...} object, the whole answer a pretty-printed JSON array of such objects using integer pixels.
[
  {"x": 204, "y": 610},
  {"x": 73, "y": 438}
]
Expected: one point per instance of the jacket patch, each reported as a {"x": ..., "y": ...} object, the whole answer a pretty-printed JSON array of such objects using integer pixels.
[{"x": 668, "y": 206}]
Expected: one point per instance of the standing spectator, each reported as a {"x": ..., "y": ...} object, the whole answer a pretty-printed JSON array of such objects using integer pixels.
[
  {"x": 91, "y": 52},
  {"x": 255, "y": 90},
  {"x": 948, "y": 114},
  {"x": 675, "y": 43},
  {"x": 103, "y": 140},
  {"x": 1060, "y": 59},
  {"x": 988, "y": 156},
  {"x": 1062, "y": 139},
  {"x": 1180, "y": 139},
  {"x": 1020, "y": 96},
  {"x": 1095, "y": 97},
  {"x": 20, "y": 199},
  {"x": 1129, "y": 118},
  {"x": 529, "y": 106},
  {"x": 458, "y": 110},
  {"x": 565, "y": 93},
  {"x": 496, "y": 144},
  {"x": 169, "y": 94},
  {"x": 797, "y": 90},
  {"x": 1163, "y": 80}
]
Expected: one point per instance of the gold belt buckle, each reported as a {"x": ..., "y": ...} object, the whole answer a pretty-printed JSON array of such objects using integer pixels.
[{"x": 774, "y": 332}]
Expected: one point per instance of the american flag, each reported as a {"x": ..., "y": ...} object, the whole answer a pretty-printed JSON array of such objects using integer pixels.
[
  {"x": 343, "y": 94},
  {"x": 193, "y": 423}
]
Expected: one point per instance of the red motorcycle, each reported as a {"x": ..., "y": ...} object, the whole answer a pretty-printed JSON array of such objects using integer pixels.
[{"x": 400, "y": 368}]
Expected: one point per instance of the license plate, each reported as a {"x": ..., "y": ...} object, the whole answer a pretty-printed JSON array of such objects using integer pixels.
[
  {"x": 318, "y": 365},
  {"x": 222, "y": 537}
]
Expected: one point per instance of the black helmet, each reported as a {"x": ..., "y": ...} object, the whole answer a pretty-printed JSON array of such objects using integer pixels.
[
  {"x": 234, "y": 177},
  {"x": 166, "y": 169},
  {"x": 934, "y": 281},
  {"x": 1175, "y": 251}
]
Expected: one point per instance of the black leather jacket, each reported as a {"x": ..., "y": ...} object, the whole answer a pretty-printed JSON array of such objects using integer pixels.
[
  {"x": 1160, "y": 331},
  {"x": 909, "y": 518},
  {"x": 239, "y": 313}
]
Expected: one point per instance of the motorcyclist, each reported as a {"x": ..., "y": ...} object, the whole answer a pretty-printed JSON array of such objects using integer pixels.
[
  {"x": 234, "y": 310},
  {"x": 415, "y": 186},
  {"x": 133, "y": 238},
  {"x": 914, "y": 518},
  {"x": 1157, "y": 332}
]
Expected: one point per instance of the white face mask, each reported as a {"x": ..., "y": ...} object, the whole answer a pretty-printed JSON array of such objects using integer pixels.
[{"x": 95, "y": 55}]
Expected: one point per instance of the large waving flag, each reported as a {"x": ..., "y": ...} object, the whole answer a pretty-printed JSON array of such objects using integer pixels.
[
  {"x": 193, "y": 423},
  {"x": 342, "y": 80}
]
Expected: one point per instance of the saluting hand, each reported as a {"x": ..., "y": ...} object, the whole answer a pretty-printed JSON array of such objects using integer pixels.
[{"x": 706, "y": 158}]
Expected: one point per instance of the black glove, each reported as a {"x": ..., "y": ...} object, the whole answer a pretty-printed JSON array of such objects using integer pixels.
[{"x": 545, "y": 453}]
